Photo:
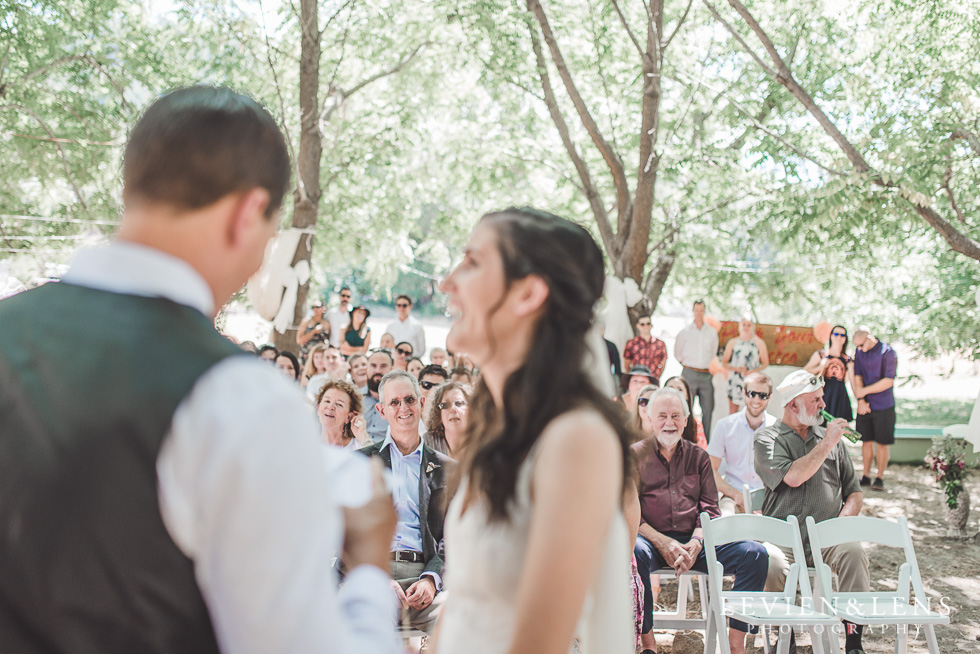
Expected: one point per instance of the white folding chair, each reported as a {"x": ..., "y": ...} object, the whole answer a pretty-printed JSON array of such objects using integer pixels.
[
  {"x": 760, "y": 608},
  {"x": 752, "y": 499},
  {"x": 875, "y": 608},
  {"x": 677, "y": 619}
]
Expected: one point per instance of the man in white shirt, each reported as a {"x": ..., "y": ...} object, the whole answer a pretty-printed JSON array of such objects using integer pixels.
[
  {"x": 695, "y": 347},
  {"x": 216, "y": 473},
  {"x": 406, "y": 327},
  {"x": 339, "y": 317},
  {"x": 418, "y": 479},
  {"x": 733, "y": 444}
]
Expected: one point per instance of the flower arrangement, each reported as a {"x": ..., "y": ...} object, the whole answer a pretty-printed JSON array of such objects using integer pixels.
[{"x": 947, "y": 459}]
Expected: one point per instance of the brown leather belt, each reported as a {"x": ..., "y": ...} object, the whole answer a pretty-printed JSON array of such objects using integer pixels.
[
  {"x": 697, "y": 369},
  {"x": 407, "y": 556}
]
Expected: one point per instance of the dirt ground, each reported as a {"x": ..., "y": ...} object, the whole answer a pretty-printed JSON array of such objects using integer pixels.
[{"x": 950, "y": 569}]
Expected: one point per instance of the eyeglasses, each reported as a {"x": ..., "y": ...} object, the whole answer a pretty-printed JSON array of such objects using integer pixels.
[
  {"x": 402, "y": 305},
  {"x": 459, "y": 404},
  {"x": 409, "y": 402},
  {"x": 643, "y": 401},
  {"x": 758, "y": 394},
  {"x": 841, "y": 334},
  {"x": 427, "y": 385},
  {"x": 402, "y": 351}
]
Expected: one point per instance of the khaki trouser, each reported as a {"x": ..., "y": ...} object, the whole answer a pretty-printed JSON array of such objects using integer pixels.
[
  {"x": 848, "y": 560},
  {"x": 423, "y": 619},
  {"x": 776, "y": 577}
]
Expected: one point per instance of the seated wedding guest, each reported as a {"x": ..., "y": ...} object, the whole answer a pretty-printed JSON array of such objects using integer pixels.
[
  {"x": 313, "y": 330},
  {"x": 402, "y": 353},
  {"x": 356, "y": 338},
  {"x": 632, "y": 382},
  {"x": 694, "y": 430},
  {"x": 418, "y": 480},
  {"x": 461, "y": 375},
  {"x": 338, "y": 408},
  {"x": 314, "y": 366},
  {"x": 429, "y": 377},
  {"x": 269, "y": 353},
  {"x": 732, "y": 444},
  {"x": 387, "y": 342},
  {"x": 358, "y": 364},
  {"x": 379, "y": 363},
  {"x": 438, "y": 357},
  {"x": 249, "y": 347},
  {"x": 671, "y": 505},
  {"x": 334, "y": 368},
  {"x": 414, "y": 366},
  {"x": 288, "y": 364},
  {"x": 447, "y": 418},
  {"x": 641, "y": 423}
]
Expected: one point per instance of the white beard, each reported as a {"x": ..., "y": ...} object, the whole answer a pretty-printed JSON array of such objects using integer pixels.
[
  {"x": 804, "y": 418},
  {"x": 669, "y": 440}
]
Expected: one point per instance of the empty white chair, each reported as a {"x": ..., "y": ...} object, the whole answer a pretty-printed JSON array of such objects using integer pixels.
[
  {"x": 752, "y": 499},
  {"x": 875, "y": 608},
  {"x": 776, "y": 609}
]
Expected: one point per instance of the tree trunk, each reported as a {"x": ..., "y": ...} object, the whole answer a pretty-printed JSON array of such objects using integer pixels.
[{"x": 306, "y": 196}]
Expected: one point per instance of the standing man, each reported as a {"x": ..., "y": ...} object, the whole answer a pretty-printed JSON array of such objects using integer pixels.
[
  {"x": 406, "y": 327},
  {"x": 808, "y": 472},
  {"x": 379, "y": 363},
  {"x": 733, "y": 444},
  {"x": 645, "y": 349},
  {"x": 875, "y": 366},
  {"x": 418, "y": 479},
  {"x": 176, "y": 511},
  {"x": 695, "y": 347},
  {"x": 339, "y": 317}
]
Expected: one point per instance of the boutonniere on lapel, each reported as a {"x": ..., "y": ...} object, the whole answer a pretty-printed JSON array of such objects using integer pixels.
[{"x": 429, "y": 469}]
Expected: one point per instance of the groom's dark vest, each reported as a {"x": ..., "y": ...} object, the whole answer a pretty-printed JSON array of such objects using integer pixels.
[{"x": 89, "y": 382}]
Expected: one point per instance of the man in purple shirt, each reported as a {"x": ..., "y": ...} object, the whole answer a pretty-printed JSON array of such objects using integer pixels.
[
  {"x": 875, "y": 365},
  {"x": 676, "y": 483}
]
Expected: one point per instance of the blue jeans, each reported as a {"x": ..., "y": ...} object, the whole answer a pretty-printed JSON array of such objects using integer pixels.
[{"x": 746, "y": 559}]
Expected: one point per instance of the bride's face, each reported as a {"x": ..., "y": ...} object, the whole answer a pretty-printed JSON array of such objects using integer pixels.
[{"x": 477, "y": 297}]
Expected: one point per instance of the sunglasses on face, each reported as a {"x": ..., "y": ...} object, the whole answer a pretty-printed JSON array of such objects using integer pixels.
[
  {"x": 459, "y": 404},
  {"x": 643, "y": 401},
  {"x": 344, "y": 297},
  {"x": 408, "y": 401},
  {"x": 427, "y": 385},
  {"x": 841, "y": 334},
  {"x": 404, "y": 352},
  {"x": 402, "y": 305},
  {"x": 758, "y": 394}
]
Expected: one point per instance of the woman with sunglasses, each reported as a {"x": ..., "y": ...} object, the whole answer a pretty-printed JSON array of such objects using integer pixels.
[
  {"x": 837, "y": 369},
  {"x": 357, "y": 335},
  {"x": 536, "y": 532},
  {"x": 693, "y": 430},
  {"x": 446, "y": 422}
]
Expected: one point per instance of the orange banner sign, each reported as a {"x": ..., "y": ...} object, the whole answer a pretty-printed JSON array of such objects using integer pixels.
[{"x": 788, "y": 345}]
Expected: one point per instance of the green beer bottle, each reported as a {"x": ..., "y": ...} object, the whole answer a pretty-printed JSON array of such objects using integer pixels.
[{"x": 849, "y": 433}]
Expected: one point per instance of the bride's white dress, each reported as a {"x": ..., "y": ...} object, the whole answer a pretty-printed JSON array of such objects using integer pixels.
[{"x": 484, "y": 566}]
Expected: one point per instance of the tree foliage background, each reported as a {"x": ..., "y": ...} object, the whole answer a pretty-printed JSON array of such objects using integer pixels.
[{"x": 756, "y": 206}]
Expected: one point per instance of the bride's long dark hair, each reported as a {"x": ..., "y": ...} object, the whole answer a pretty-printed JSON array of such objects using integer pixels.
[{"x": 551, "y": 380}]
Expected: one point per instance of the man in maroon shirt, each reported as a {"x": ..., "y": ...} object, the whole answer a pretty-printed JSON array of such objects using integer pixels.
[
  {"x": 676, "y": 483},
  {"x": 645, "y": 349}
]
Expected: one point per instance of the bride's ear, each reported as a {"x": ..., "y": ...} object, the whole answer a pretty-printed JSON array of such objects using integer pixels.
[{"x": 529, "y": 295}]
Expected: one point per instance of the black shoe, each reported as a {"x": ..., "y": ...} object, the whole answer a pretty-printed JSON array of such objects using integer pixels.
[
  {"x": 856, "y": 651},
  {"x": 865, "y": 481},
  {"x": 879, "y": 484}
]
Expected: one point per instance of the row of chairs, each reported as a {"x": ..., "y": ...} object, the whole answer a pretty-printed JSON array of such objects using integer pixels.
[{"x": 818, "y": 610}]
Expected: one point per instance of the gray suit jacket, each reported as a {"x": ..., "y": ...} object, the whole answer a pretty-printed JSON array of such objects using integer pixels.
[{"x": 433, "y": 500}]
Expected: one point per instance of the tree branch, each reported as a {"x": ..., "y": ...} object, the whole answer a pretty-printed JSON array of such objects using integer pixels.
[
  {"x": 949, "y": 189},
  {"x": 404, "y": 61},
  {"x": 40, "y": 70},
  {"x": 678, "y": 26},
  {"x": 626, "y": 26},
  {"x": 57, "y": 144},
  {"x": 282, "y": 103},
  {"x": 971, "y": 138},
  {"x": 611, "y": 158},
  {"x": 588, "y": 186},
  {"x": 741, "y": 41}
]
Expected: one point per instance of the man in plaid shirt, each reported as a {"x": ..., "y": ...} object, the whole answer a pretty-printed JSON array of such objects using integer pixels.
[{"x": 645, "y": 350}]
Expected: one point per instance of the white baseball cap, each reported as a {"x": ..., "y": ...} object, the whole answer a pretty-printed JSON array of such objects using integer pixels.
[{"x": 797, "y": 383}]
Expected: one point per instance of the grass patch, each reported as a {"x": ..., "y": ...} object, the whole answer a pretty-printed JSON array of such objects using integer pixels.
[{"x": 932, "y": 411}]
